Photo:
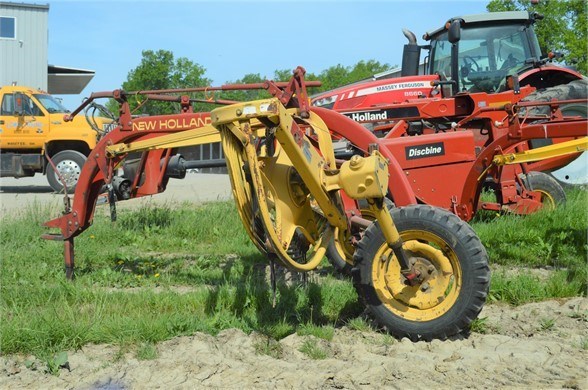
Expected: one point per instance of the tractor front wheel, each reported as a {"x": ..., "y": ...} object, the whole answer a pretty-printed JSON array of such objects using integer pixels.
[{"x": 454, "y": 280}]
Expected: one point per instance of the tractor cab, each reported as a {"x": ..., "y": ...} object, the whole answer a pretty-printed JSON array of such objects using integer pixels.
[{"x": 476, "y": 53}]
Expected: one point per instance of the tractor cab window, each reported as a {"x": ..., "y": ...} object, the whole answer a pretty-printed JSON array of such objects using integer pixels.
[
  {"x": 441, "y": 55},
  {"x": 487, "y": 54},
  {"x": 51, "y": 104}
]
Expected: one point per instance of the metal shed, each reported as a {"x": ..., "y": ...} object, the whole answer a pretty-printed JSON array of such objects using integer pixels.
[{"x": 24, "y": 39}]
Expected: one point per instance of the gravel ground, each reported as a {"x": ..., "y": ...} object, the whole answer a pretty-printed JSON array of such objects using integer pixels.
[{"x": 539, "y": 345}]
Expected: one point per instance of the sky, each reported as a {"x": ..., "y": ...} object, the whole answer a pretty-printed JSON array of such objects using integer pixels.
[{"x": 233, "y": 38}]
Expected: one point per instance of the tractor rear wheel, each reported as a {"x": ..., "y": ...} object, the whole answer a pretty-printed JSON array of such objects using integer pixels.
[
  {"x": 449, "y": 254},
  {"x": 577, "y": 89},
  {"x": 552, "y": 193},
  {"x": 573, "y": 173}
]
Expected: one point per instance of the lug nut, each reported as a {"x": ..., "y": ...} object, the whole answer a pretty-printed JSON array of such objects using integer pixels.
[{"x": 424, "y": 287}]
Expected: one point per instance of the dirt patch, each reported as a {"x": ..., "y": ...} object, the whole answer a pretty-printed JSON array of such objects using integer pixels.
[{"x": 539, "y": 345}]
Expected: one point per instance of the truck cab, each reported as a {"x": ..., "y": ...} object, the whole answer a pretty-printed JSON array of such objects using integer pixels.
[{"x": 34, "y": 138}]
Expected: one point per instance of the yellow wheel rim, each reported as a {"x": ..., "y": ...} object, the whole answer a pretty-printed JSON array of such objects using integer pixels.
[
  {"x": 342, "y": 243},
  {"x": 343, "y": 246},
  {"x": 430, "y": 299},
  {"x": 547, "y": 200}
]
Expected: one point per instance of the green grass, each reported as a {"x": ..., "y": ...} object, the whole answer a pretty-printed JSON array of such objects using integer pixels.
[
  {"x": 547, "y": 323},
  {"x": 554, "y": 240},
  {"x": 325, "y": 332},
  {"x": 270, "y": 347},
  {"x": 359, "y": 324},
  {"x": 146, "y": 351},
  {"x": 154, "y": 274},
  {"x": 480, "y": 325},
  {"x": 162, "y": 271},
  {"x": 313, "y": 350}
]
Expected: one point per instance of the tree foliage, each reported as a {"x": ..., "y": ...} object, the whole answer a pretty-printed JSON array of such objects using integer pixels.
[
  {"x": 332, "y": 77},
  {"x": 246, "y": 95},
  {"x": 159, "y": 70},
  {"x": 339, "y": 75},
  {"x": 563, "y": 29}
]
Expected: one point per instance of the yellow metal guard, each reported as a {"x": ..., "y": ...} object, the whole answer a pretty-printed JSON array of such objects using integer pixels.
[{"x": 542, "y": 153}]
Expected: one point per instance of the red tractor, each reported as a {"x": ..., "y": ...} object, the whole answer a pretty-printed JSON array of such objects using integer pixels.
[
  {"x": 473, "y": 53},
  {"x": 477, "y": 66}
]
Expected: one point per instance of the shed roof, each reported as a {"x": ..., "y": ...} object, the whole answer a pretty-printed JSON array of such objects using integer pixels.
[
  {"x": 23, "y": 5},
  {"x": 62, "y": 80}
]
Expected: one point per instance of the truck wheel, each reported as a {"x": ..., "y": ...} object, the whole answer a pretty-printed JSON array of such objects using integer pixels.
[
  {"x": 447, "y": 251},
  {"x": 339, "y": 249},
  {"x": 69, "y": 164},
  {"x": 552, "y": 193}
]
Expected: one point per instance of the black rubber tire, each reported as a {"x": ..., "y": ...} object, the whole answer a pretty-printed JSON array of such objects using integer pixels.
[
  {"x": 550, "y": 188},
  {"x": 576, "y": 89},
  {"x": 70, "y": 164},
  {"x": 334, "y": 255},
  {"x": 336, "y": 259},
  {"x": 471, "y": 266}
]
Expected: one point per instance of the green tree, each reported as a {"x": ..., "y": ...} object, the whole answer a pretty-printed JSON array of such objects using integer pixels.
[
  {"x": 339, "y": 75},
  {"x": 246, "y": 95},
  {"x": 332, "y": 77},
  {"x": 563, "y": 29},
  {"x": 159, "y": 70},
  {"x": 285, "y": 75}
]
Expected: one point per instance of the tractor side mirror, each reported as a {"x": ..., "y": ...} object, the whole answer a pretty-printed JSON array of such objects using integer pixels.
[
  {"x": 18, "y": 104},
  {"x": 454, "y": 33}
]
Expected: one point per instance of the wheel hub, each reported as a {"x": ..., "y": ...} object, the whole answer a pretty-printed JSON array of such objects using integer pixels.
[
  {"x": 69, "y": 171},
  {"x": 434, "y": 277},
  {"x": 423, "y": 269}
]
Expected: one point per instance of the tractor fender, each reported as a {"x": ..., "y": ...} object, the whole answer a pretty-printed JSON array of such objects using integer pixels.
[
  {"x": 548, "y": 76},
  {"x": 398, "y": 184}
]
